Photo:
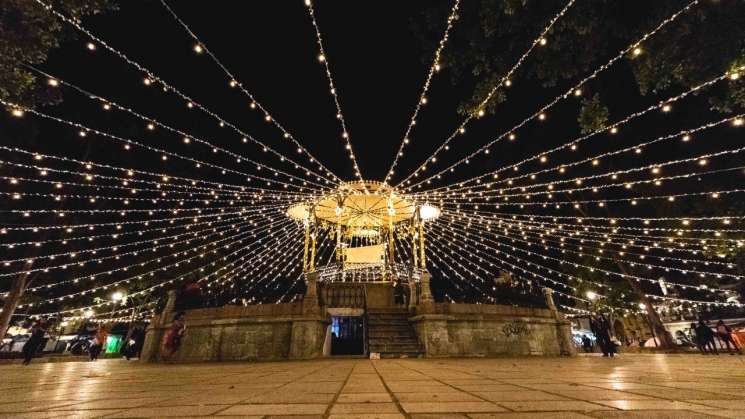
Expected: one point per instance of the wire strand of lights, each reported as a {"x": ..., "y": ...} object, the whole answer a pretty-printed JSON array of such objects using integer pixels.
[
  {"x": 479, "y": 111},
  {"x": 323, "y": 59},
  {"x": 567, "y": 94},
  {"x": 423, "y": 96},
  {"x": 237, "y": 84},
  {"x": 151, "y": 79},
  {"x": 187, "y": 138}
]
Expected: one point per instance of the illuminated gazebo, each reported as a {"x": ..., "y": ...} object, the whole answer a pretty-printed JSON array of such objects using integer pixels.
[{"x": 365, "y": 219}]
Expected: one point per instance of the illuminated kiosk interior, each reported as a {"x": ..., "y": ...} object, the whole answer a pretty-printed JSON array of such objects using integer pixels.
[
  {"x": 365, "y": 219},
  {"x": 367, "y": 222}
]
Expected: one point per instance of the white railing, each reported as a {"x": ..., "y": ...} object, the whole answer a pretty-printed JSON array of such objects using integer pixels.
[{"x": 377, "y": 272}]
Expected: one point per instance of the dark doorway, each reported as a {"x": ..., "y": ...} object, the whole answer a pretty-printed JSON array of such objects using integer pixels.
[{"x": 347, "y": 335}]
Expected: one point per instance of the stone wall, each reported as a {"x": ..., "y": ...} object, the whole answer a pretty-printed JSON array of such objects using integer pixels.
[
  {"x": 475, "y": 330},
  {"x": 234, "y": 333}
]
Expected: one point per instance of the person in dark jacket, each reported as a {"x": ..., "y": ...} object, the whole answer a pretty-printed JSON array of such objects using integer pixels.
[
  {"x": 603, "y": 336},
  {"x": 697, "y": 339},
  {"x": 32, "y": 344},
  {"x": 586, "y": 343},
  {"x": 704, "y": 332}
]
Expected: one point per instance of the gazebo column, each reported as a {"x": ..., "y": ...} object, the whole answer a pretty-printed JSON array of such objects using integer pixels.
[
  {"x": 305, "y": 247},
  {"x": 310, "y": 301}
]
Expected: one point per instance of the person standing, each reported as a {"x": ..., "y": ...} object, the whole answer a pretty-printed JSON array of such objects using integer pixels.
[
  {"x": 99, "y": 341},
  {"x": 602, "y": 327},
  {"x": 698, "y": 339},
  {"x": 725, "y": 335},
  {"x": 704, "y": 332},
  {"x": 172, "y": 339},
  {"x": 34, "y": 341}
]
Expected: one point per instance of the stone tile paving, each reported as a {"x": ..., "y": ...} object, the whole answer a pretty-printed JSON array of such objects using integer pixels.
[{"x": 635, "y": 386}]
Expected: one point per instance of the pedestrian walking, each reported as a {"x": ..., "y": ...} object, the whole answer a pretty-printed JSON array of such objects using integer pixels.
[
  {"x": 603, "y": 337},
  {"x": 725, "y": 335},
  {"x": 34, "y": 341}
]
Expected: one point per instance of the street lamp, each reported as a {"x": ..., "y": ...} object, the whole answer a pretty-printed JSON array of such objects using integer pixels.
[{"x": 116, "y": 297}]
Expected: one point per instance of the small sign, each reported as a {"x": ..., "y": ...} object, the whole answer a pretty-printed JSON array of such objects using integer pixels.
[{"x": 374, "y": 355}]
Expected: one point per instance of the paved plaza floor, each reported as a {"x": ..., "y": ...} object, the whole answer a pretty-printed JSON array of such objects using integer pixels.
[{"x": 637, "y": 386}]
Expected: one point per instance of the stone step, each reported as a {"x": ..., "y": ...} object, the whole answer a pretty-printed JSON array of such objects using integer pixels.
[
  {"x": 389, "y": 326},
  {"x": 394, "y": 349},
  {"x": 384, "y": 323},
  {"x": 386, "y": 339},
  {"x": 391, "y": 335},
  {"x": 381, "y": 334},
  {"x": 401, "y": 355}
]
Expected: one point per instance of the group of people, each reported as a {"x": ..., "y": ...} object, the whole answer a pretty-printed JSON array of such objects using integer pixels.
[
  {"x": 40, "y": 329},
  {"x": 704, "y": 337}
]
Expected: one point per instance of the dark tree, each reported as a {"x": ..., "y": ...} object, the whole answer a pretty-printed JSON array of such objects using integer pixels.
[
  {"x": 28, "y": 33},
  {"x": 490, "y": 35}
]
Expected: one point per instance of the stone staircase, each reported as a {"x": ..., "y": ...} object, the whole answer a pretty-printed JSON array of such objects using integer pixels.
[{"x": 390, "y": 334}]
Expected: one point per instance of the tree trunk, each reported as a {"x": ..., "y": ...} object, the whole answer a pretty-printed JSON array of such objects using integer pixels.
[
  {"x": 11, "y": 301},
  {"x": 655, "y": 323}
]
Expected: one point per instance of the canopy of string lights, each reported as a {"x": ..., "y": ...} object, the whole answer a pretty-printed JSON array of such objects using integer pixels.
[{"x": 147, "y": 186}]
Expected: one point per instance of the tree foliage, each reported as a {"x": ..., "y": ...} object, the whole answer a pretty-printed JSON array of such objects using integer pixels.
[
  {"x": 490, "y": 35},
  {"x": 593, "y": 115},
  {"x": 28, "y": 33}
]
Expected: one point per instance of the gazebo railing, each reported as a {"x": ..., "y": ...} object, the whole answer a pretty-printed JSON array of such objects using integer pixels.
[{"x": 367, "y": 273}]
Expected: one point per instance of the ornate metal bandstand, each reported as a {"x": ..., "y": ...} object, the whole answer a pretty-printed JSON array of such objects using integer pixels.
[{"x": 366, "y": 221}]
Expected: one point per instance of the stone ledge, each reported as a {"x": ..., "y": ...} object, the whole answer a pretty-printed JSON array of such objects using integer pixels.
[{"x": 200, "y": 323}]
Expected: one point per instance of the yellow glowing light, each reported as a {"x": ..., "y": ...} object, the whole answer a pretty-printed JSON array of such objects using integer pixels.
[
  {"x": 198, "y": 49},
  {"x": 91, "y": 46},
  {"x": 637, "y": 51}
]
